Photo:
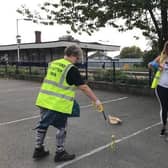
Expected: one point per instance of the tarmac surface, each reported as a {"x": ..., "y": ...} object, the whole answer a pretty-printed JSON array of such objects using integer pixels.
[{"x": 137, "y": 142}]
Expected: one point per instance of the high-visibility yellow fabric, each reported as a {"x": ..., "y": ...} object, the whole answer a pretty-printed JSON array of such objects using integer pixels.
[
  {"x": 156, "y": 79},
  {"x": 55, "y": 93}
]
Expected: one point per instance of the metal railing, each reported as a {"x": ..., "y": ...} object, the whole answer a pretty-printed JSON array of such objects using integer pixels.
[{"x": 119, "y": 72}]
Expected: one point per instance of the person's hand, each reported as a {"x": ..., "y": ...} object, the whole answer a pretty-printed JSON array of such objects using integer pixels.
[
  {"x": 98, "y": 105},
  {"x": 153, "y": 65}
]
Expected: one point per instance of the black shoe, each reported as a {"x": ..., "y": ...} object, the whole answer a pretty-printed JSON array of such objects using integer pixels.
[
  {"x": 40, "y": 153},
  {"x": 163, "y": 132},
  {"x": 63, "y": 156}
]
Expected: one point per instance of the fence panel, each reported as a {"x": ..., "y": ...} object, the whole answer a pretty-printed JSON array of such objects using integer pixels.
[{"x": 119, "y": 72}]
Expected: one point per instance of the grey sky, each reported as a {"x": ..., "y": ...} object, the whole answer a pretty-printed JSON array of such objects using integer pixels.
[{"x": 8, "y": 16}]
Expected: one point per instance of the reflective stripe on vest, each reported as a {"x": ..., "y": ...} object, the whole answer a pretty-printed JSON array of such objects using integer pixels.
[
  {"x": 59, "y": 85},
  {"x": 57, "y": 95},
  {"x": 65, "y": 73}
]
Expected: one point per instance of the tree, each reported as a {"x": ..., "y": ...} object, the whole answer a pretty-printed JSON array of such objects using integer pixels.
[
  {"x": 131, "y": 52},
  {"x": 89, "y": 15},
  {"x": 151, "y": 54}
]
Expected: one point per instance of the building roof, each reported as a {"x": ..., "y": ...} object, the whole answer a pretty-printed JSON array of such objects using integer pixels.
[
  {"x": 99, "y": 55},
  {"x": 90, "y": 46}
]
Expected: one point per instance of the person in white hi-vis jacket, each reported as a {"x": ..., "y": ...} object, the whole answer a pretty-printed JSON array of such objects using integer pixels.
[{"x": 160, "y": 83}]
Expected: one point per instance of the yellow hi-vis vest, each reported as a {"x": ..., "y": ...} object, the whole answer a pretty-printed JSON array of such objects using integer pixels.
[
  {"x": 156, "y": 79},
  {"x": 55, "y": 93}
]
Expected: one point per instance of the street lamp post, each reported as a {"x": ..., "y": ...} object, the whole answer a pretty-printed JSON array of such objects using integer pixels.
[
  {"x": 18, "y": 37},
  {"x": 18, "y": 40}
]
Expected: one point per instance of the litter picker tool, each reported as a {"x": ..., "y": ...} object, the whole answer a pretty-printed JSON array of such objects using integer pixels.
[
  {"x": 112, "y": 120},
  {"x": 101, "y": 110},
  {"x": 104, "y": 115}
]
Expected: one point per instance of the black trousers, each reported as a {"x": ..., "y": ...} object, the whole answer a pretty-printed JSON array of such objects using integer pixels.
[{"x": 162, "y": 95}]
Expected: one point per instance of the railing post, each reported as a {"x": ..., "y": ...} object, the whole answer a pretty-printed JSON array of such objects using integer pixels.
[
  {"x": 30, "y": 72},
  {"x": 45, "y": 68},
  {"x": 17, "y": 68},
  {"x": 114, "y": 72},
  {"x": 6, "y": 68}
]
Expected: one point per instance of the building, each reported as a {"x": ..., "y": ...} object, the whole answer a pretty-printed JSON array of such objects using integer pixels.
[
  {"x": 44, "y": 52},
  {"x": 99, "y": 60},
  {"x": 47, "y": 51}
]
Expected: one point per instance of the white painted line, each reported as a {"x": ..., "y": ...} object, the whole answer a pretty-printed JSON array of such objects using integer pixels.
[
  {"x": 107, "y": 101},
  {"x": 106, "y": 146},
  {"x": 13, "y": 100},
  {"x": 18, "y": 89},
  {"x": 20, "y": 120},
  {"x": 29, "y": 118}
]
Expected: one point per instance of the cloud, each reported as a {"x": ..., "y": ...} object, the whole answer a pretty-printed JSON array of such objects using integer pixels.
[{"x": 8, "y": 16}]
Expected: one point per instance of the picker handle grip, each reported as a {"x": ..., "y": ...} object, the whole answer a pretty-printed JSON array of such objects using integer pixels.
[{"x": 98, "y": 105}]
